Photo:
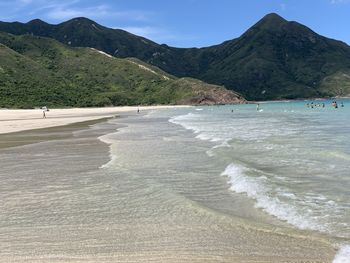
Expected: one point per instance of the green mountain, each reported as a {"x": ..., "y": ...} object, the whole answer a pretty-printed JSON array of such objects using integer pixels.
[
  {"x": 274, "y": 59},
  {"x": 36, "y": 71},
  {"x": 83, "y": 32},
  {"x": 278, "y": 59}
]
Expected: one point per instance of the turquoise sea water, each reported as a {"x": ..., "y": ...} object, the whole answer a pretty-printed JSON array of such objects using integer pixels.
[
  {"x": 292, "y": 160},
  {"x": 197, "y": 184}
]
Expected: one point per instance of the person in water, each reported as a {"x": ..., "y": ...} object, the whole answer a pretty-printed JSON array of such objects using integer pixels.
[
  {"x": 342, "y": 105},
  {"x": 258, "y": 107}
]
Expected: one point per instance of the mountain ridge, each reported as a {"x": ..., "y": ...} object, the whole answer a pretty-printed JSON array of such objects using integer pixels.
[
  {"x": 273, "y": 59},
  {"x": 36, "y": 71}
]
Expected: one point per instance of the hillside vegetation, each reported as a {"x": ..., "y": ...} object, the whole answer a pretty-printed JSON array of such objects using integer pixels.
[
  {"x": 36, "y": 71},
  {"x": 274, "y": 59}
]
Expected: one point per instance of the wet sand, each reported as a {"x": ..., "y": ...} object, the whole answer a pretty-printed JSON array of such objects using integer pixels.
[
  {"x": 66, "y": 209},
  {"x": 44, "y": 134}
]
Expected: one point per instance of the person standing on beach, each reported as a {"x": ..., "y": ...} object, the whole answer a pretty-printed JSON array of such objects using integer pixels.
[{"x": 45, "y": 109}]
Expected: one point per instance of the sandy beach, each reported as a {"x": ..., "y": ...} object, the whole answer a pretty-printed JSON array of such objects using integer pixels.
[
  {"x": 71, "y": 200},
  {"x": 22, "y": 120}
]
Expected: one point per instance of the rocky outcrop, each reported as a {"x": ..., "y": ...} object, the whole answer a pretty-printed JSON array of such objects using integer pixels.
[{"x": 208, "y": 94}]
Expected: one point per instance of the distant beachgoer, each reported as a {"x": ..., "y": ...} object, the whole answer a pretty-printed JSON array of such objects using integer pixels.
[
  {"x": 335, "y": 105},
  {"x": 323, "y": 105},
  {"x": 138, "y": 110},
  {"x": 342, "y": 104},
  {"x": 45, "y": 109},
  {"x": 258, "y": 107}
]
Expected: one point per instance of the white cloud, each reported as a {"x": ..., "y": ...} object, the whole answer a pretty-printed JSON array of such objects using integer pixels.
[
  {"x": 153, "y": 33},
  {"x": 26, "y": 1},
  {"x": 63, "y": 12},
  {"x": 66, "y": 9},
  {"x": 339, "y": 1},
  {"x": 283, "y": 6},
  {"x": 141, "y": 30},
  {"x": 67, "y": 12},
  {"x": 159, "y": 35}
]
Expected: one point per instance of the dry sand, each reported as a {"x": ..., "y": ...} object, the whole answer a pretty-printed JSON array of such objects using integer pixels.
[{"x": 21, "y": 120}]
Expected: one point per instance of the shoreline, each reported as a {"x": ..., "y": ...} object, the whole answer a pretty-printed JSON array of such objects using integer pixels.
[
  {"x": 25, "y": 137},
  {"x": 297, "y": 100},
  {"x": 238, "y": 229},
  {"x": 21, "y": 120},
  {"x": 292, "y": 237}
]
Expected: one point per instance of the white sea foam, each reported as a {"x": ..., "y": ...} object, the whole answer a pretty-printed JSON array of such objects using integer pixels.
[
  {"x": 343, "y": 255},
  {"x": 107, "y": 140},
  {"x": 205, "y": 130},
  {"x": 211, "y": 127},
  {"x": 259, "y": 189},
  {"x": 186, "y": 121},
  {"x": 274, "y": 141},
  {"x": 195, "y": 123}
]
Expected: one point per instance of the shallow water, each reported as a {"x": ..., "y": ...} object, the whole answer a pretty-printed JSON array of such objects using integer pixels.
[
  {"x": 292, "y": 160},
  {"x": 161, "y": 194}
]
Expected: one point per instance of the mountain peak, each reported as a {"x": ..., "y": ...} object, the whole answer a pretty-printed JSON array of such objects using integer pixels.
[
  {"x": 80, "y": 20},
  {"x": 37, "y": 22},
  {"x": 273, "y": 16},
  {"x": 271, "y": 20}
]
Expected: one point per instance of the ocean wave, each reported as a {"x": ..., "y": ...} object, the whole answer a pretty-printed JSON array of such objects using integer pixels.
[
  {"x": 339, "y": 155},
  {"x": 224, "y": 144},
  {"x": 259, "y": 189},
  {"x": 197, "y": 124},
  {"x": 343, "y": 255},
  {"x": 215, "y": 128},
  {"x": 105, "y": 139},
  {"x": 274, "y": 142}
]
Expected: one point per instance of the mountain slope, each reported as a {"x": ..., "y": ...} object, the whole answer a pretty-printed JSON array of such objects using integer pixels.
[
  {"x": 274, "y": 59},
  {"x": 83, "y": 32},
  {"x": 41, "y": 71},
  {"x": 23, "y": 81},
  {"x": 278, "y": 59}
]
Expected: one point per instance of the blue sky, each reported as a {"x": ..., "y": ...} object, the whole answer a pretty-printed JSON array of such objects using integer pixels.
[{"x": 186, "y": 23}]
